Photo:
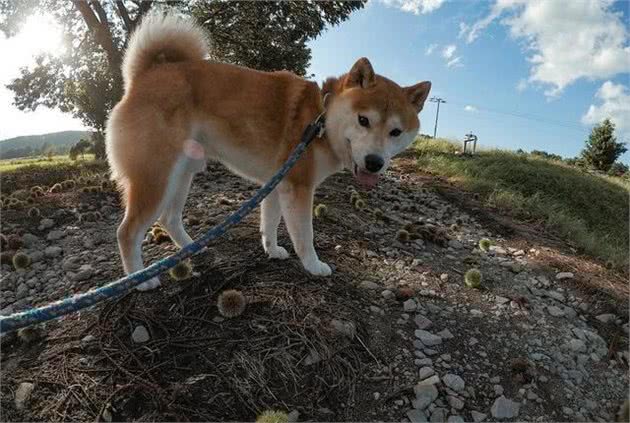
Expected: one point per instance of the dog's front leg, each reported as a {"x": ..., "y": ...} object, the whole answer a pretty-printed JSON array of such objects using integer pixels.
[
  {"x": 296, "y": 202},
  {"x": 270, "y": 216}
]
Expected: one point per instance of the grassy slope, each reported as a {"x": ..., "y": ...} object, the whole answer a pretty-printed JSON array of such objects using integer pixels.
[
  {"x": 591, "y": 211},
  {"x": 13, "y": 164}
]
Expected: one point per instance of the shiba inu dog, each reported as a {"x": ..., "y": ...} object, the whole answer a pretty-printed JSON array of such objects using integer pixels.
[{"x": 180, "y": 110}]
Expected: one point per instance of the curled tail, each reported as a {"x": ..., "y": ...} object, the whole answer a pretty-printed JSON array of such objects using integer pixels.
[{"x": 159, "y": 39}]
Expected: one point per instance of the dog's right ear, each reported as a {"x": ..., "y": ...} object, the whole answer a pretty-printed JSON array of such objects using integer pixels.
[{"x": 361, "y": 75}]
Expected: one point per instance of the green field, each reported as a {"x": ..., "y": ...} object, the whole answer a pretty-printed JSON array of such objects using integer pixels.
[
  {"x": 13, "y": 164},
  {"x": 587, "y": 209}
]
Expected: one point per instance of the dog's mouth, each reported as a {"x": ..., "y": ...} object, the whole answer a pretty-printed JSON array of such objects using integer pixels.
[{"x": 367, "y": 179}]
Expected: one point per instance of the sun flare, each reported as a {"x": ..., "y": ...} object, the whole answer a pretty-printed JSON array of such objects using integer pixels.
[{"x": 40, "y": 34}]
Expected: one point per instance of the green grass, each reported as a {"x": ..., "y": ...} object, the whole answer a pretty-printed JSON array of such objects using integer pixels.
[
  {"x": 588, "y": 209},
  {"x": 13, "y": 164}
]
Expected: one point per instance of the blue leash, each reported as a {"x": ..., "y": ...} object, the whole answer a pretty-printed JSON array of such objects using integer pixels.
[{"x": 80, "y": 301}]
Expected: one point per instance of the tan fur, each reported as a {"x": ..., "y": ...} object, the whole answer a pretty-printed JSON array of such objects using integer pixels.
[{"x": 246, "y": 119}]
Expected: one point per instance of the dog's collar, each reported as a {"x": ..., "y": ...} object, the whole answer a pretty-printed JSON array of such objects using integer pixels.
[{"x": 320, "y": 121}]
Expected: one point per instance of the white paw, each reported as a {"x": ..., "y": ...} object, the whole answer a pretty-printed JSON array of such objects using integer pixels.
[
  {"x": 317, "y": 268},
  {"x": 149, "y": 285},
  {"x": 279, "y": 253}
]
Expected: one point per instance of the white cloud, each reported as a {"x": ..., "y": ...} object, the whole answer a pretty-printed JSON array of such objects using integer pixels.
[
  {"x": 455, "y": 62},
  {"x": 567, "y": 40},
  {"x": 614, "y": 104},
  {"x": 449, "y": 51},
  {"x": 521, "y": 85},
  {"x": 452, "y": 61},
  {"x": 416, "y": 7},
  {"x": 470, "y": 108},
  {"x": 430, "y": 49}
]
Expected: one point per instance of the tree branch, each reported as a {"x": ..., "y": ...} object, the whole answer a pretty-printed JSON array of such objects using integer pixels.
[{"x": 124, "y": 15}]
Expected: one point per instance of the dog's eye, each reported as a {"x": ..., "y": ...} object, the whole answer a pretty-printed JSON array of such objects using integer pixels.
[
  {"x": 363, "y": 121},
  {"x": 395, "y": 132}
]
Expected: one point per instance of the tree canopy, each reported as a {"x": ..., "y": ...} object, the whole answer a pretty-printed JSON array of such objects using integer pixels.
[
  {"x": 602, "y": 148},
  {"x": 86, "y": 79}
]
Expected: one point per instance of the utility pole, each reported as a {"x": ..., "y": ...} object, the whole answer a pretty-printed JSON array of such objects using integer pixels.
[{"x": 437, "y": 100}]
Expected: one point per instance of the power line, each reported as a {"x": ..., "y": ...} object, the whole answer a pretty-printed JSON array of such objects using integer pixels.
[
  {"x": 528, "y": 117},
  {"x": 437, "y": 100}
]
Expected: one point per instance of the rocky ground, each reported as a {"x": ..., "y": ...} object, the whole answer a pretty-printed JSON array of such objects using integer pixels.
[{"x": 394, "y": 334}]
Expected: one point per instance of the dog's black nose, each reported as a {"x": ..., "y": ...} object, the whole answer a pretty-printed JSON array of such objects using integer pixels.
[{"x": 374, "y": 163}]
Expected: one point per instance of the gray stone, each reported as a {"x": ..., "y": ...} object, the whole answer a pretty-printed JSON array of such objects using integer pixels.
[
  {"x": 53, "y": 251},
  {"x": 46, "y": 223},
  {"x": 23, "y": 394},
  {"x": 444, "y": 277},
  {"x": 498, "y": 390},
  {"x": 85, "y": 272},
  {"x": 501, "y": 300},
  {"x": 477, "y": 416},
  {"x": 344, "y": 328},
  {"x": 433, "y": 380},
  {"x": 454, "y": 382},
  {"x": 410, "y": 305},
  {"x": 498, "y": 250},
  {"x": 445, "y": 334},
  {"x": 425, "y": 395},
  {"x": 22, "y": 291},
  {"x": 416, "y": 416},
  {"x": 55, "y": 235},
  {"x": 504, "y": 408},
  {"x": 71, "y": 264},
  {"x": 427, "y": 338},
  {"x": 455, "y": 402},
  {"x": 577, "y": 346},
  {"x": 422, "y": 322},
  {"x": 29, "y": 239},
  {"x": 555, "y": 311},
  {"x": 558, "y": 296},
  {"x": 455, "y": 419},
  {"x": 455, "y": 244},
  {"x": 387, "y": 294},
  {"x": 140, "y": 335},
  {"x": 564, "y": 275},
  {"x": 438, "y": 415},
  {"x": 88, "y": 338},
  {"x": 425, "y": 372},
  {"x": 424, "y": 362},
  {"x": 293, "y": 416},
  {"x": 369, "y": 285},
  {"x": 606, "y": 318}
]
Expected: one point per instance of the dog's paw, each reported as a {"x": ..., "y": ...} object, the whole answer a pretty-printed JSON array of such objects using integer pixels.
[
  {"x": 318, "y": 268},
  {"x": 149, "y": 285},
  {"x": 279, "y": 253}
]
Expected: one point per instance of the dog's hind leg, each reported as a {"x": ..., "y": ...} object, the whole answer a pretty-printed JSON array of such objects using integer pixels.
[
  {"x": 171, "y": 217},
  {"x": 143, "y": 207},
  {"x": 179, "y": 183},
  {"x": 270, "y": 216}
]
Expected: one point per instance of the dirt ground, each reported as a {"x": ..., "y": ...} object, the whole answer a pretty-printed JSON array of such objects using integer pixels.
[{"x": 394, "y": 325}]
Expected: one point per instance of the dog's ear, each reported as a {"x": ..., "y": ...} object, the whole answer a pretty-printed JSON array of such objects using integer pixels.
[
  {"x": 417, "y": 94},
  {"x": 330, "y": 86},
  {"x": 361, "y": 74}
]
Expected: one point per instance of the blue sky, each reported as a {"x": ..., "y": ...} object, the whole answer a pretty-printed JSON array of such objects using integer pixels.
[{"x": 539, "y": 62}]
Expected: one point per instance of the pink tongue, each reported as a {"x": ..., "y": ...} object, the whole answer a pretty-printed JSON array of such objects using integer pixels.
[{"x": 368, "y": 180}]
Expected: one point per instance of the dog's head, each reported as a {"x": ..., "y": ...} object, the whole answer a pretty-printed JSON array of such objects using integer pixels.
[{"x": 370, "y": 119}]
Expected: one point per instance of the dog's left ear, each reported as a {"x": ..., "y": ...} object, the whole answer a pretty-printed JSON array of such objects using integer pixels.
[
  {"x": 361, "y": 74},
  {"x": 417, "y": 94}
]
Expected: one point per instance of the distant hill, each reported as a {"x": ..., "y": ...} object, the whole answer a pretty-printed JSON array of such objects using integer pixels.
[{"x": 30, "y": 145}]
